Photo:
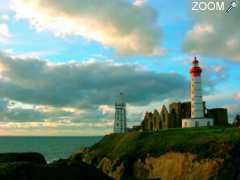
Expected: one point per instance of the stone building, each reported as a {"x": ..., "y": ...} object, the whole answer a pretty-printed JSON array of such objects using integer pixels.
[
  {"x": 219, "y": 115},
  {"x": 172, "y": 118},
  {"x": 155, "y": 121}
]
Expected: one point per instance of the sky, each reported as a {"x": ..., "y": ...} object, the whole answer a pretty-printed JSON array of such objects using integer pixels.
[{"x": 64, "y": 62}]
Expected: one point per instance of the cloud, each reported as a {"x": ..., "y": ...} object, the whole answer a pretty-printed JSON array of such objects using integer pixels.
[
  {"x": 130, "y": 29},
  {"x": 238, "y": 95},
  {"x": 55, "y": 129},
  {"x": 106, "y": 109},
  {"x": 18, "y": 114},
  {"x": 4, "y": 33},
  {"x": 29, "y": 54},
  {"x": 4, "y": 17},
  {"x": 214, "y": 75},
  {"x": 215, "y": 34},
  {"x": 4, "y": 6},
  {"x": 139, "y": 2},
  {"x": 86, "y": 84},
  {"x": 78, "y": 94}
]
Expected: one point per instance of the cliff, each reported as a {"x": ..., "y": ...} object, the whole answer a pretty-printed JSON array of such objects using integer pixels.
[
  {"x": 203, "y": 153},
  {"x": 32, "y": 166}
]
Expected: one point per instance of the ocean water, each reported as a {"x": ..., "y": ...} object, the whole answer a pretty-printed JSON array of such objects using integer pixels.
[{"x": 52, "y": 148}]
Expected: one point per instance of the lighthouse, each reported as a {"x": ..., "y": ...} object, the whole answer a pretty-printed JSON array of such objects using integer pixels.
[
  {"x": 197, "y": 112},
  {"x": 120, "y": 123}
]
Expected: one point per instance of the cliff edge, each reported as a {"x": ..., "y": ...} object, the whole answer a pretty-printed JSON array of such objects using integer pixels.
[{"x": 201, "y": 153}]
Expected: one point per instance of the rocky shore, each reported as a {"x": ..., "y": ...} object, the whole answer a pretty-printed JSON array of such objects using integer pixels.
[{"x": 33, "y": 166}]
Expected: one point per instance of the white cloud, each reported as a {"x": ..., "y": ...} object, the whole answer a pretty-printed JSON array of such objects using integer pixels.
[
  {"x": 28, "y": 55},
  {"x": 106, "y": 109},
  {"x": 4, "y": 17},
  {"x": 129, "y": 29},
  {"x": 139, "y": 2},
  {"x": 216, "y": 34},
  {"x": 202, "y": 29},
  {"x": 5, "y": 34},
  {"x": 4, "y": 5}
]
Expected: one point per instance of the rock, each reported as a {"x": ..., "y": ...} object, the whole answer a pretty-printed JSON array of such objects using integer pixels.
[
  {"x": 71, "y": 170},
  {"x": 19, "y": 170},
  {"x": 168, "y": 166},
  {"x": 118, "y": 172},
  {"x": 111, "y": 168},
  {"x": 23, "y": 157},
  {"x": 80, "y": 155},
  {"x": 32, "y": 166},
  {"x": 176, "y": 166},
  {"x": 105, "y": 165}
]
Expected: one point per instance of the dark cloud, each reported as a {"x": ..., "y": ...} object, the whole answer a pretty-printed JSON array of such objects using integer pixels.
[
  {"x": 3, "y": 105},
  {"x": 85, "y": 85}
]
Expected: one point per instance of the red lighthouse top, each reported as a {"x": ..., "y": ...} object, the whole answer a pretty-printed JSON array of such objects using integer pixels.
[{"x": 195, "y": 69}]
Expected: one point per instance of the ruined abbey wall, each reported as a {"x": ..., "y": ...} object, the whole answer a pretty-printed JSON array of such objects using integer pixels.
[{"x": 172, "y": 118}]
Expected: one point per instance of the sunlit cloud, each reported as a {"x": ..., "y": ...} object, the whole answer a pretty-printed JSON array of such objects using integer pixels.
[
  {"x": 139, "y": 2},
  {"x": 5, "y": 34},
  {"x": 106, "y": 109},
  {"x": 29, "y": 54},
  {"x": 130, "y": 29}
]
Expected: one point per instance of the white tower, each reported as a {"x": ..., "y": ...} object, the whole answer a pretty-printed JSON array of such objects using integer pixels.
[
  {"x": 120, "y": 123},
  {"x": 197, "y": 112},
  {"x": 196, "y": 91}
]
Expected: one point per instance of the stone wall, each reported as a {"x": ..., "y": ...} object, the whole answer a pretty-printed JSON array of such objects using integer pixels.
[
  {"x": 154, "y": 121},
  {"x": 220, "y": 116}
]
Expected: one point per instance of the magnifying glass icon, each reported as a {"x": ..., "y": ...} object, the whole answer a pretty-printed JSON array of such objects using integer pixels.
[{"x": 232, "y": 5}]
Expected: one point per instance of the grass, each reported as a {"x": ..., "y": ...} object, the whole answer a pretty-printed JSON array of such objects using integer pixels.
[{"x": 214, "y": 142}]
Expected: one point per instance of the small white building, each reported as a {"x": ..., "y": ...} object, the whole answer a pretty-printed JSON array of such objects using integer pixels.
[
  {"x": 120, "y": 123},
  {"x": 197, "y": 112}
]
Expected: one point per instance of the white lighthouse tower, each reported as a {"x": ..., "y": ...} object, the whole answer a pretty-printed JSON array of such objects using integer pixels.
[
  {"x": 120, "y": 123},
  {"x": 197, "y": 111}
]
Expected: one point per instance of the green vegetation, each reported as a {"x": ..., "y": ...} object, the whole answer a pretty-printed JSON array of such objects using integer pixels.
[{"x": 205, "y": 142}]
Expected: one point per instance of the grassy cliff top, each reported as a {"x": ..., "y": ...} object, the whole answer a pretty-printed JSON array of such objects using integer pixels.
[{"x": 205, "y": 142}]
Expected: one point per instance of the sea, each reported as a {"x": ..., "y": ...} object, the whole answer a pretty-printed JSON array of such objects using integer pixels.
[{"x": 53, "y": 148}]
